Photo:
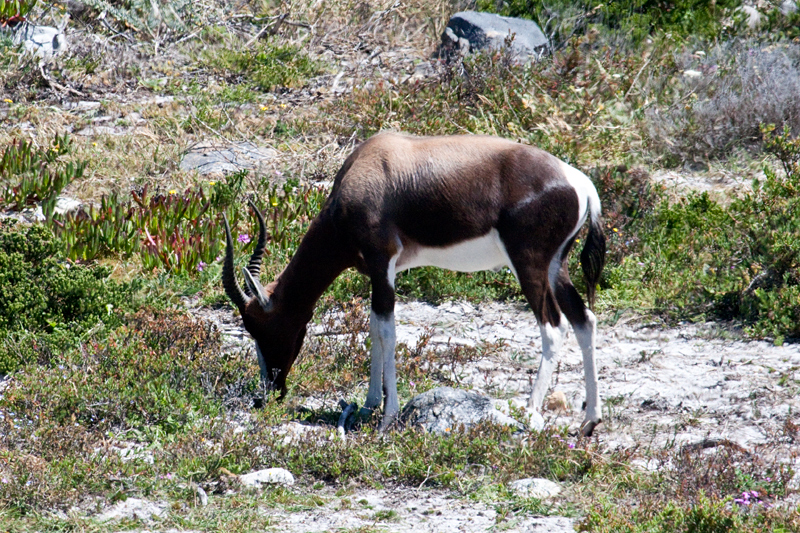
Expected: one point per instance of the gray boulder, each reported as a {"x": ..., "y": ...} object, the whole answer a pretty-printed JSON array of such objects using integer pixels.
[
  {"x": 446, "y": 409},
  {"x": 534, "y": 487},
  {"x": 134, "y": 509},
  {"x": 268, "y": 476},
  {"x": 43, "y": 42},
  {"x": 469, "y": 31},
  {"x": 210, "y": 159}
]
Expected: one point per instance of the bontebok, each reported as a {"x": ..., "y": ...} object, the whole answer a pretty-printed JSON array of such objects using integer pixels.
[{"x": 464, "y": 203}]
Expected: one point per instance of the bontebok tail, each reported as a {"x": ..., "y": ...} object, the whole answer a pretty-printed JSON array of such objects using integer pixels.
[{"x": 593, "y": 255}]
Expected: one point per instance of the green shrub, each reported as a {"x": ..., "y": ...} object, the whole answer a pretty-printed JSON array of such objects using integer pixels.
[
  {"x": 570, "y": 104},
  {"x": 148, "y": 16},
  {"x": 697, "y": 257},
  {"x": 633, "y": 19},
  {"x": 268, "y": 65},
  {"x": 45, "y": 299},
  {"x": 158, "y": 376},
  {"x": 29, "y": 174}
]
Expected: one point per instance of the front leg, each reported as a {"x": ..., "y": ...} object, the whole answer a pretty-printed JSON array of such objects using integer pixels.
[
  {"x": 382, "y": 333},
  {"x": 375, "y": 393}
]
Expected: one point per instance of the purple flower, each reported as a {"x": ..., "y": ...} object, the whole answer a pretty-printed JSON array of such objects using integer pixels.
[
  {"x": 200, "y": 266},
  {"x": 571, "y": 446},
  {"x": 243, "y": 238}
]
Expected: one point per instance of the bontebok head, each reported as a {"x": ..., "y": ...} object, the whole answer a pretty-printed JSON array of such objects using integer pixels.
[{"x": 278, "y": 337}]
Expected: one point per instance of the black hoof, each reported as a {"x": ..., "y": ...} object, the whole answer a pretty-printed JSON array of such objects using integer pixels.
[
  {"x": 588, "y": 427},
  {"x": 388, "y": 422}
]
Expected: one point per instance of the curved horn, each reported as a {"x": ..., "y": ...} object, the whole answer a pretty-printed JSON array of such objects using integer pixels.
[
  {"x": 254, "y": 286},
  {"x": 254, "y": 266},
  {"x": 232, "y": 288}
]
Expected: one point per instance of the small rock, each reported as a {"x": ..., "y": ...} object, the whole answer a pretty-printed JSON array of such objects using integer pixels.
[
  {"x": 445, "y": 409},
  {"x": 753, "y": 15},
  {"x": 788, "y": 7},
  {"x": 295, "y": 432},
  {"x": 558, "y": 402},
  {"x": 201, "y": 494},
  {"x": 469, "y": 31},
  {"x": 692, "y": 74},
  {"x": 206, "y": 158},
  {"x": 93, "y": 131},
  {"x": 66, "y": 205},
  {"x": 43, "y": 42},
  {"x": 534, "y": 487},
  {"x": 267, "y": 476},
  {"x": 655, "y": 404},
  {"x": 134, "y": 508},
  {"x": 423, "y": 71},
  {"x": 83, "y": 105}
]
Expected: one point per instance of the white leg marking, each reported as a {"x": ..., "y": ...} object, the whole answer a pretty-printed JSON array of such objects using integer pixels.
[
  {"x": 383, "y": 378},
  {"x": 391, "y": 405},
  {"x": 376, "y": 335},
  {"x": 564, "y": 327},
  {"x": 551, "y": 344},
  {"x": 586, "y": 336}
]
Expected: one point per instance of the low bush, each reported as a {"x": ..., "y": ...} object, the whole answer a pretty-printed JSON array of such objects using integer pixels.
[
  {"x": 698, "y": 257},
  {"x": 147, "y": 18},
  {"x": 572, "y": 104},
  {"x": 714, "y": 103},
  {"x": 268, "y": 65},
  {"x": 47, "y": 301},
  {"x": 634, "y": 20}
]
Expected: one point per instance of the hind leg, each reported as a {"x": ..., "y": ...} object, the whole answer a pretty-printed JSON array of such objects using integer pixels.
[
  {"x": 584, "y": 323},
  {"x": 532, "y": 276}
]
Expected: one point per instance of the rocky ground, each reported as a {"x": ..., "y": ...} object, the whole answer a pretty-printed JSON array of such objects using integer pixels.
[{"x": 697, "y": 385}]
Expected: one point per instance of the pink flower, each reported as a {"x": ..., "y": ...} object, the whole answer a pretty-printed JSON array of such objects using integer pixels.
[
  {"x": 200, "y": 266},
  {"x": 243, "y": 238}
]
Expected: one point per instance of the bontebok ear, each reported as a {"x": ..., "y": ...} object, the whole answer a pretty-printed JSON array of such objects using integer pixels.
[{"x": 258, "y": 290}]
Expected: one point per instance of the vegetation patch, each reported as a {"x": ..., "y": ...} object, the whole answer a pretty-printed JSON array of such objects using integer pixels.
[
  {"x": 268, "y": 65},
  {"x": 697, "y": 257},
  {"x": 572, "y": 104},
  {"x": 46, "y": 301},
  {"x": 714, "y": 102}
]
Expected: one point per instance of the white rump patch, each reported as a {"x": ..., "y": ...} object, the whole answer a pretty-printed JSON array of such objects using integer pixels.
[
  {"x": 584, "y": 189},
  {"x": 483, "y": 253}
]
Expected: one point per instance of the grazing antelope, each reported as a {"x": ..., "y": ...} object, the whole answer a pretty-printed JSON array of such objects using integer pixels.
[{"x": 464, "y": 203}]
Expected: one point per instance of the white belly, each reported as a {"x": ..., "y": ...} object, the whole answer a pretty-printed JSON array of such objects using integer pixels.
[{"x": 483, "y": 253}]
